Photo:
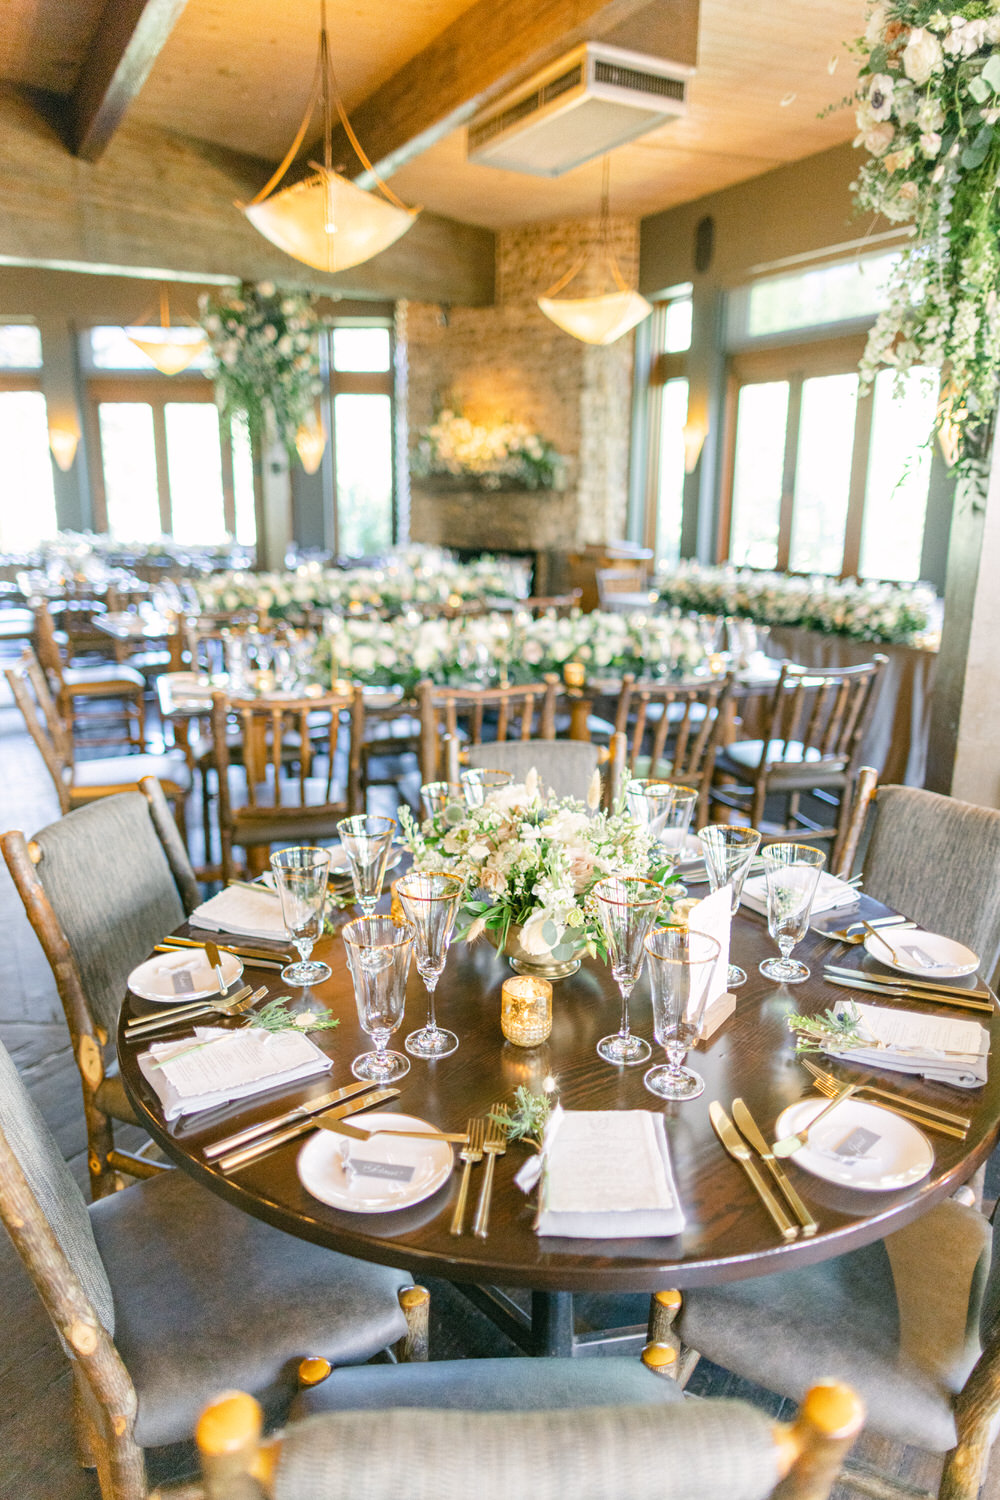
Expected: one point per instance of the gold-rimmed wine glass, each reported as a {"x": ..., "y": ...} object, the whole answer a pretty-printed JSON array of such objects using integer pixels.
[
  {"x": 665, "y": 809},
  {"x": 378, "y": 956},
  {"x": 627, "y": 906},
  {"x": 480, "y": 781},
  {"x": 430, "y": 901},
  {"x": 438, "y": 797},
  {"x": 792, "y": 872},
  {"x": 681, "y": 963},
  {"x": 729, "y": 853},
  {"x": 366, "y": 842}
]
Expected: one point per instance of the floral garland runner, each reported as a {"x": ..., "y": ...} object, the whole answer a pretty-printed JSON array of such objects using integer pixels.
[
  {"x": 891, "y": 613},
  {"x": 928, "y": 111}
]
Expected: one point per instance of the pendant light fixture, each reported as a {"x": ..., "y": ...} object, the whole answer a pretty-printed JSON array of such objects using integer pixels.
[
  {"x": 310, "y": 441},
  {"x": 171, "y": 349},
  {"x": 602, "y": 319},
  {"x": 325, "y": 220}
]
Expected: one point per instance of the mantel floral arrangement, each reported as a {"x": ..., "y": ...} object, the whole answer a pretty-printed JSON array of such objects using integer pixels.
[
  {"x": 264, "y": 343},
  {"x": 502, "y": 455},
  {"x": 892, "y": 613},
  {"x": 928, "y": 111},
  {"x": 531, "y": 861}
]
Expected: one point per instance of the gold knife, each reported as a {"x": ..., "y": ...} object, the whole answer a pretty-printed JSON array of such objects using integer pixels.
[
  {"x": 301, "y": 1127},
  {"x": 242, "y": 950},
  {"x": 740, "y": 1151},
  {"x": 258, "y": 963},
  {"x": 937, "y": 986},
  {"x": 300, "y": 1112},
  {"x": 215, "y": 960},
  {"x": 903, "y": 991},
  {"x": 328, "y": 1122},
  {"x": 748, "y": 1125}
]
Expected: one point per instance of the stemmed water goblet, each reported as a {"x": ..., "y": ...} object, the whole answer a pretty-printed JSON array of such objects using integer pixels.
[
  {"x": 300, "y": 875},
  {"x": 681, "y": 963},
  {"x": 628, "y": 906},
  {"x": 729, "y": 853},
  {"x": 792, "y": 872},
  {"x": 665, "y": 810},
  {"x": 438, "y": 796},
  {"x": 430, "y": 902},
  {"x": 479, "y": 782},
  {"x": 378, "y": 955},
  {"x": 366, "y": 842}
]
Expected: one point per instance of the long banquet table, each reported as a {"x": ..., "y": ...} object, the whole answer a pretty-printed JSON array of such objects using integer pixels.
[{"x": 728, "y": 1234}]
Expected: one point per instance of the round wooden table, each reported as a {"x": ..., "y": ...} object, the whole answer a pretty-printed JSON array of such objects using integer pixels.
[{"x": 728, "y": 1234}]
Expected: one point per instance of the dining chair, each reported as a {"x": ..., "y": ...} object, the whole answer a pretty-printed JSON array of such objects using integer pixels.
[
  {"x": 590, "y": 1429},
  {"x": 567, "y": 767},
  {"x": 624, "y": 589},
  {"x": 100, "y": 887},
  {"x": 910, "y": 1322},
  {"x": 478, "y": 715},
  {"x": 298, "y": 770},
  {"x": 164, "y": 1294},
  {"x": 102, "y": 685},
  {"x": 80, "y": 781},
  {"x": 673, "y": 731},
  {"x": 811, "y": 746}
]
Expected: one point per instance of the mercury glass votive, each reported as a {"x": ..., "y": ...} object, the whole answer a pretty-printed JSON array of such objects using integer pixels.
[
  {"x": 526, "y": 1010},
  {"x": 574, "y": 674}
]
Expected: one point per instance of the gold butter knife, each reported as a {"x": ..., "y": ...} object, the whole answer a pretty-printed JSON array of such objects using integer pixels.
[
  {"x": 746, "y": 1123},
  {"x": 903, "y": 991},
  {"x": 740, "y": 1151},
  {"x": 300, "y": 1112},
  {"x": 339, "y": 1128},
  {"x": 260, "y": 1148}
]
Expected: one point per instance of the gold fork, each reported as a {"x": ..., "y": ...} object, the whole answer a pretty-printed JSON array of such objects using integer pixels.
[
  {"x": 494, "y": 1145},
  {"x": 470, "y": 1153},
  {"x": 924, "y": 1121},
  {"x": 869, "y": 1088}
]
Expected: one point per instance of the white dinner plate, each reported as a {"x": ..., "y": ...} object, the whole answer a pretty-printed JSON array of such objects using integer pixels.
[
  {"x": 323, "y": 1169},
  {"x": 858, "y": 1145},
  {"x": 153, "y": 980},
  {"x": 948, "y": 959}
]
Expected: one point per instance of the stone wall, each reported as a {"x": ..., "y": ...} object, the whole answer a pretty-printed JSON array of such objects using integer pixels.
[{"x": 509, "y": 361}]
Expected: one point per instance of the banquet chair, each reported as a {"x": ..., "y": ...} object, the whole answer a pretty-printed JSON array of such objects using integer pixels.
[
  {"x": 622, "y": 590},
  {"x": 910, "y": 1322},
  {"x": 100, "y": 887},
  {"x": 813, "y": 730},
  {"x": 298, "y": 771},
  {"x": 81, "y": 781},
  {"x": 164, "y": 1294},
  {"x": 567, "y": 767},
  {"x": 532, "y": 1426},
  {"x": 113, "y": 683},
  {"x": 673, "y": 731},
  {"x": 468, "y": 715}
]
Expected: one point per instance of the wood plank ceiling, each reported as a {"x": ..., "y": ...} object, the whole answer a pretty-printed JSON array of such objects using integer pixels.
[{"x": 235, "y": 74}]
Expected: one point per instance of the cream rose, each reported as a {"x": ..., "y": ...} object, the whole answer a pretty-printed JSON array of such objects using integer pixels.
[{"x": 922, "y": 55}]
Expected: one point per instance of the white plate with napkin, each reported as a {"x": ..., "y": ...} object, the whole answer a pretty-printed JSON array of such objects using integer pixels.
[
  {"x": 376, "y": 1176},
  {"x": 925, "y": 953},
  {"x": 173, "y": 978},
  {"x": 188, "y": 1077},
  {"x": 831, "y": 894},
  {"x": 858, "y": 1145}
]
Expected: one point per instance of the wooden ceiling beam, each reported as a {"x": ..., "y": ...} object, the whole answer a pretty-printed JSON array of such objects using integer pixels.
[
  {"x": 485, "y": 51},
  {"x": 126, "y": 43}
]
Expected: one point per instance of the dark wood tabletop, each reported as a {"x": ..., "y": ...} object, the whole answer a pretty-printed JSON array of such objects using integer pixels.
[{"x": 728, "y": 1234}]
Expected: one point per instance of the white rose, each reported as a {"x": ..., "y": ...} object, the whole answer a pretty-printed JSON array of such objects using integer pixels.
[
  {"x": 922, "y": 55},
  {"x": 265, "y": 288},
  {"x": 876, "y": 24},
  {"x": 532, "y": 940}
]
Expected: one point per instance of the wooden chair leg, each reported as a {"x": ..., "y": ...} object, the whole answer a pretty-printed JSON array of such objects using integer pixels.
[
  {"x": 416, "y": 1304},
  {"x": 663, "y": 1309},
  {"x": 818, "y": 1441},
  {"x": 228, "y": 1436}
]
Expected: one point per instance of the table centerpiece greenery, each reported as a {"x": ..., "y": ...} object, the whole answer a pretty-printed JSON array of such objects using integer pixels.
[{"x": 485, "y": 455}]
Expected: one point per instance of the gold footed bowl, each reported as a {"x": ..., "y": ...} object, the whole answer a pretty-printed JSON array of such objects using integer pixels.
[{"x": 563, "y": 960}]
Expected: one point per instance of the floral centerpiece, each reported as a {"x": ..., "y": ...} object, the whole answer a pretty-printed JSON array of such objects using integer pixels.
[
  {"x": 928, "y": 111},
  {"x": 502, "y": 455},
  {"x": 265, "y": 346},
  {"x": 530, "y": 862}
]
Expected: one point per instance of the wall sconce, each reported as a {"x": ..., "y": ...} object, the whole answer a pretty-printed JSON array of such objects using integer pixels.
[
  {"x": 949, "y": 436},
  {"x": 694, "y": 435},
  {"x": 310, "y": 441},
  {"x": 63, "y": 442}
]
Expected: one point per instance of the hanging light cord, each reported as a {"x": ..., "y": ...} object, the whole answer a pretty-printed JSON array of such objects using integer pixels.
[{"x": 605, "y": 240}]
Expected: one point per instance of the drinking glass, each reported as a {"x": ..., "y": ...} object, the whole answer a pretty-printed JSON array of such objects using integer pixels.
[
  {"x": 665, "y": 809},
  {"x": 430, "y": 902},
  {"x": 680, "y": 970},
  {"x": 477, "y": 784},
  {"x": 300, "y": 875},
  {"x": 792, "y": 872},
  {"x": 628, "y": 907},
  {"x": 378, "y": 955},
  {"x": 729, "y": 853},
  {"x": 367, "y": 842},
  {"x": 438, "y": 796}
]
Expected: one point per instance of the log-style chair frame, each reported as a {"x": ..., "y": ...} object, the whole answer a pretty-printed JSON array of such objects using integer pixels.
[
  {"x": 683, "y": 734},
  {"x": 277, "y": 735},
  {"x": 105, "y": 1161},
  {"x": 845, "y": 851},
  {"x": 526, "y": 711},
  {"x": 122, "y": 690}
]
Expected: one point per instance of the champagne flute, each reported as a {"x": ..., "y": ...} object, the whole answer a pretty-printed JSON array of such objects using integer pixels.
[
  {"x": 665, "y": 810},
  {"x": 681, "y": 963},
  {"x": 729, "y": 853},
  {"x": 378, "y": 955},
  {"x": 628, "y": 907},
  {"x": 300, "y": 875},
  {"x": 431, "y": 902},
  {"x": 478, "y": 783},
  {"x": 792, "y": 872},
  {"x": 367, "y": 842}
]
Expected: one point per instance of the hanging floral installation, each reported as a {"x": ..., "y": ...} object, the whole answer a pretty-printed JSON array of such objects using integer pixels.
[
  {"x": 928, "y": 112},
  {"x": 265, "y": 343}
]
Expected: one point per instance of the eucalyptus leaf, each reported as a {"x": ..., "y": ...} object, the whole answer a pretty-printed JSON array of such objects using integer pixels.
[
  {"x": 991, "y": 73},
  {"x": 979, "y": 89}
]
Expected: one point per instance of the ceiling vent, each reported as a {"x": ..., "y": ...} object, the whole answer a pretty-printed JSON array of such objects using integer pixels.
[{"x": 586, "y": 103}]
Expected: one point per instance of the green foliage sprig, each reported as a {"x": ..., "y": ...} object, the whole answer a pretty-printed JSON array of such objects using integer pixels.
[
  {"x": 833, "y": 1028},
  {"x": 525, "y": 1120}
]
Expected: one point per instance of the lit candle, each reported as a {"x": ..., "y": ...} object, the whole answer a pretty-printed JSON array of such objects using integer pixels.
[
  {"x": 574, "y": 674},
  {"x": 526, "y": 1010}
]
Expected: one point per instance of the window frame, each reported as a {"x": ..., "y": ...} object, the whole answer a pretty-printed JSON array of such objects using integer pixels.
[{"x": 358, "y": 383}]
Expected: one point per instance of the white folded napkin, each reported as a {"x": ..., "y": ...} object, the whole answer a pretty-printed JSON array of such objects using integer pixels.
[
  {"x": 247, "y": 913},
  {"x": 831, "y": 894},
  {"x": 190, "y": 1077},
  {"x": 943, "y": 1048}
]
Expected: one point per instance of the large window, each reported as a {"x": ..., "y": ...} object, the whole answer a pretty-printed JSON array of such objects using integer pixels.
[
  {"x": 27, "y": 492},
  {"x": 362, "y": 394},
  {"x": 665, "y": 416}
]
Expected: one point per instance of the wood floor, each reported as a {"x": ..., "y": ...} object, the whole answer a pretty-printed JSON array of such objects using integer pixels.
[{"x": 36, "y": 1449}]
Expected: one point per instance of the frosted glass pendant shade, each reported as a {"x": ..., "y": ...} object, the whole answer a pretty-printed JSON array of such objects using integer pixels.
[
  {"x": 329, "y": 223},
  {"x": 170, "y": 349},
  {"x": 596, "y": 320}
]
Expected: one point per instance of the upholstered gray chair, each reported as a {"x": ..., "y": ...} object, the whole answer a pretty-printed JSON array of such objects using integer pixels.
[
  {"x": 567, "y": 766},
  {"x": 163, "y": 1295},
  {"x": 908, "y": 1322},
  {"x": 101, "y": 887},
  {"x": 552, "y": 1428}
]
